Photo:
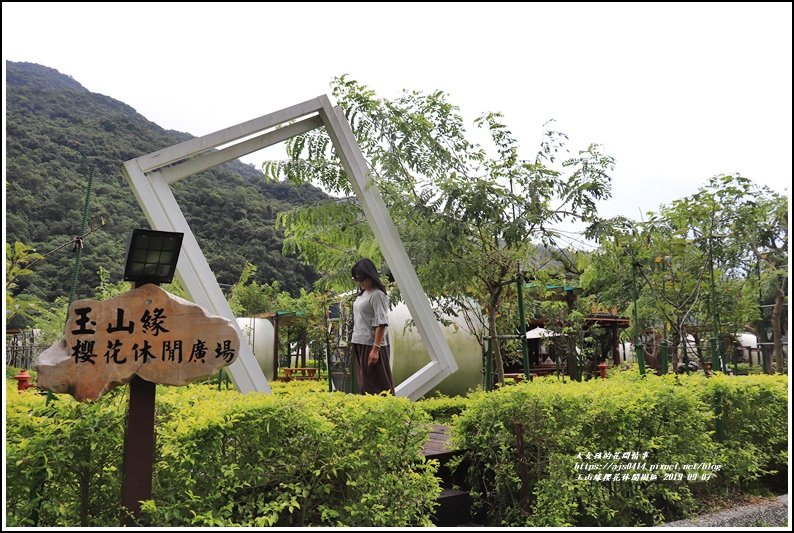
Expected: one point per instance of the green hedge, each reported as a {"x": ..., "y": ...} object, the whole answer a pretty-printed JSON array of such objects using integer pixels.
[
  {"x": 443, "y": 409},
  {"x": 225, "y": 459},
  {"x": 672, "y": 418},
  {"x": 306, "y": 457},
  {"x": 63, "y": 459}
]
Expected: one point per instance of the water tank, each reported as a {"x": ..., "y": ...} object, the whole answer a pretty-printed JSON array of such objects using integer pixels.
[
  {"x": 408, "y": 352},
  {"x": 747, "y": 340},
  {"x": 259, "y": 333}
]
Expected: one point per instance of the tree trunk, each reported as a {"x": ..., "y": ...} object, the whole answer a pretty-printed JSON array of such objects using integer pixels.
[
  {"x": 615, "y": 344},
  {"x": 776, "y": 330},
  {"x": 673, "y": 351},
  {"x": 699, "y": 351},
  {"x": 497, "y": 351}
]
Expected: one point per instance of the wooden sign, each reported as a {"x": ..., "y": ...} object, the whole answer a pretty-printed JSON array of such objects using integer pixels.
[{"x": 158, "y": 336}]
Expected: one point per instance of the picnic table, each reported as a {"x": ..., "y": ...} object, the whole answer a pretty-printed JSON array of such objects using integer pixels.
[{"x": 300, "y": 373}]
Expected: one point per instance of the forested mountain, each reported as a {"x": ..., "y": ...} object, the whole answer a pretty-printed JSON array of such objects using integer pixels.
[{"x": 56, "y": 130}]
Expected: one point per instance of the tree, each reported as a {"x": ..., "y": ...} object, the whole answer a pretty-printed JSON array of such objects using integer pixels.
[
  {"x": 697, "y": 258},
  {"x": 248, "y": 298},
  {"x": 468, "y": 218},
  {"x": 21, "y": 306},
  {"x": 756, "y": 242},
  {"x": 742, "y": 225},
  {"x": 671, "y": 276}
]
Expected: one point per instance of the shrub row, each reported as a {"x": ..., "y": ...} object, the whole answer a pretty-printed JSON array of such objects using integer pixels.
[
  {"x": 224, "y": 459},
  {"x": 307, "y": 457},
  {"x": 527, "y": 446},
  {"x": 443, "y": 409}
]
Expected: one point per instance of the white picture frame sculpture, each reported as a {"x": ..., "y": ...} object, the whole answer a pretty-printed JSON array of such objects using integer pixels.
[{"x": 150, "y": 177}]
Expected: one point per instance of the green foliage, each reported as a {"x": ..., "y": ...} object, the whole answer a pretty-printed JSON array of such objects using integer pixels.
[
  {"x": 51, "y": 320},
  {"x": 63, "y": 460},
  {"x": 18, "y": 259},
  {"x": 323, "y": 459},
  {"x": 745, "y": 368},
  {"x": 443, "y": 409},
  {"x": 106, "y": 289},
  {"x": 223, "y": 459},
  {"x": 469, "y": 216},
  {"x": 56, "y": 130},
  {"x": 754, "y": 416},
  {"x": 672, "y": 418},
  {"x": 730, "y": 227},
  {"x": 249, "y": 298}
]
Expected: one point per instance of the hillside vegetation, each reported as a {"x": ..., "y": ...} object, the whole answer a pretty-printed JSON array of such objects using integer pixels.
[{"x": 57, "y": 130}]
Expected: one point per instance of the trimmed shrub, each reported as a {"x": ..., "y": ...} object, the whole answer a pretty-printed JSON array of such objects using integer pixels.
[
  {"x": 63, "y": 459},
  {"x": 529, "y": 446},
  {"x": 225, "y": 459},
  {"x": 442, "y": 409}
]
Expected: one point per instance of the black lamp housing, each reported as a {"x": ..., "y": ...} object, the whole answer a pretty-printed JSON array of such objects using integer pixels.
[{"x": 152, "y": 256}]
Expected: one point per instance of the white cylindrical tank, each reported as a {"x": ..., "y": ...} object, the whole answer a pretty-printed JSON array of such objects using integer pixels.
[
  {"x": 749, "y": 343},
  {"x": 259, "y": 333},
  {"x": 408, "y": 352},
  {"x": 747, "y": 339}
]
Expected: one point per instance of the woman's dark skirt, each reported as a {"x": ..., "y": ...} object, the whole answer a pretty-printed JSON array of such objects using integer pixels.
[{"x": 372, "y": 379}]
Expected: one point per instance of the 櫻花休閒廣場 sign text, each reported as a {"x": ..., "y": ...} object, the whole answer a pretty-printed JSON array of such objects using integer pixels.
[{"x": 146, "y": 331}]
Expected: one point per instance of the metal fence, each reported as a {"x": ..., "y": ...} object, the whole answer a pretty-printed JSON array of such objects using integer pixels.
[{"x": 22, "y": 350}]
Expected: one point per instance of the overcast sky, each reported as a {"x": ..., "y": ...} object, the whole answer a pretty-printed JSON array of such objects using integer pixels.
[{"x": 676, "y": 93}]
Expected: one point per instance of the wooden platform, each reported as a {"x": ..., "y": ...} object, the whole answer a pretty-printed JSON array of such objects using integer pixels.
[
  {"x": 454, "y": 504},
  {"x": 437, "y": 444}
]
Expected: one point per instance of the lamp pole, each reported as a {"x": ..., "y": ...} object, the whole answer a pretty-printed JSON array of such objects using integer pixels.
[
  {"x": 715, "y": 360},
  {"x": 151, "y": 258}
]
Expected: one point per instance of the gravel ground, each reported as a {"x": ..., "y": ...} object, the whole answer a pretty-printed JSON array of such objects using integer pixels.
[{"x": 772, "y": 513}]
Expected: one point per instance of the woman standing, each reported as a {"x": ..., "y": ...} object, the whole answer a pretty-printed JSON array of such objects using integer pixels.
[{"x": 370, "y": 320}]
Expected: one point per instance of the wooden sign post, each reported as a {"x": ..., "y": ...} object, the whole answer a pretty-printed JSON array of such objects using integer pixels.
[
  {"x": 138, "y": 465},
  {"x": 143, "y": 337}
]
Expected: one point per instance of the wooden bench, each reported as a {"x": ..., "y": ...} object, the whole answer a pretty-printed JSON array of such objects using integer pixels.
[
  {"x": 546, "y": 369},
  {"x": 518, "y": 377},
  {"x": 300, "y": 373}
]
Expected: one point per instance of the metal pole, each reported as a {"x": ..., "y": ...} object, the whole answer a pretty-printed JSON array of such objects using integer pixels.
[
  {"x": 328, "y": 361},
  {"x": 79, "y": 243},
  {"x": 719, "y": 414},
  {"x": 352, "y": 367},
  {"x": 762, "y": 356},
  {"x": 275, "y": 346},
  {"x": 638, "y": 348},
  {"x": 523, "y": 324},
  {"x": 489, "y": 367},
  {"x": 557, "y": 363}
]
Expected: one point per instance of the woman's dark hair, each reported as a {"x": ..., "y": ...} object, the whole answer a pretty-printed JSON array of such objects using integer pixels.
[{"x": 366, "y": 268}]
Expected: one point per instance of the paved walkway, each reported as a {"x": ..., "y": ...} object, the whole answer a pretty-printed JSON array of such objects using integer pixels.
[{"x": 771, "y": 513}]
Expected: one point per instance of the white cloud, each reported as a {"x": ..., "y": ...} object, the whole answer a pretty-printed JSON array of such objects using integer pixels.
[{"x": 675, "y": 92}]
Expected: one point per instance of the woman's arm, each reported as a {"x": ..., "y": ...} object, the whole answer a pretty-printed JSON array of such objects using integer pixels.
[{"x": 374, "y": 353}]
